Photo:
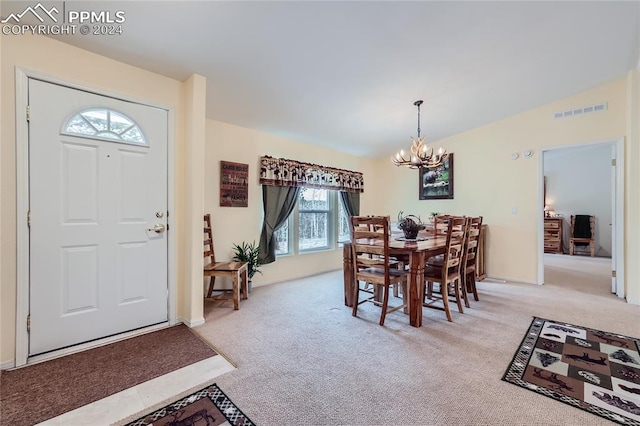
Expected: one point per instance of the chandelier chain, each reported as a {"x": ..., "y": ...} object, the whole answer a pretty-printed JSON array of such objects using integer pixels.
[{"x": 418, "y": 103}]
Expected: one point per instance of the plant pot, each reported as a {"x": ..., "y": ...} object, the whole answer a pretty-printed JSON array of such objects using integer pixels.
[{"x": 411, "y": 233}]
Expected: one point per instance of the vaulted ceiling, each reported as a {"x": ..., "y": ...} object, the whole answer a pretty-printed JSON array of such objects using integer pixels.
[{"x": 346, "y": 74}]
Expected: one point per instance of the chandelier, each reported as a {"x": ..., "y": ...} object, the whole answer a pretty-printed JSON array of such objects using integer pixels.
[{"x": 421, "y": 155}]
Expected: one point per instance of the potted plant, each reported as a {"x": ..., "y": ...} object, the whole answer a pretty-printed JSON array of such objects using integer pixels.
[
  {"x": 245, "y": 252},
  {"x": 432, "y": 216}
]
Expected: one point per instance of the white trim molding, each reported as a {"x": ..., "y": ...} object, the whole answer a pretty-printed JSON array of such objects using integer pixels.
[{"x": 193, "y": 323}]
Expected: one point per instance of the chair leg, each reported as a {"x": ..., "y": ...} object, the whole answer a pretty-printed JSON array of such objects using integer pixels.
[
  {"x": 396, "y": 290},
  {"x": 405, "y": 294},
  {"x": 356, "y": 296},
  {"x": 471, "y": 285},
  {"x": 427, "y": 291},
  {"x": 212, "y": 281},
  {"x": 571, "y": 248},
  {"x": 592, "y": 246},
  {"x": 463, "y": 290},
  {"x": 377, "y": 293},
  {"x": 445, "y": 301},
  {"x": 385, "y": 303},
  {"x": 456, "y": 289}
]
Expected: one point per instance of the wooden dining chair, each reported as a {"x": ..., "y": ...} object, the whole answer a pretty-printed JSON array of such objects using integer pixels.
[
  {"x": 442, "y": 228},
  {"x": 397, "y": 261},
  {"x": 440, "y": 224},
  {"x": 468, "y": 268},
  {"x": 371, "y": 263},
  {"x": 448, "y": 274},
  {"x": 237, "y": 271}
]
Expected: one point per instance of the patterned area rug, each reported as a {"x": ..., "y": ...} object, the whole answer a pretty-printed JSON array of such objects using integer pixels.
[
  {"x": 208, "y": 406},
  {"x": 594, "y": 370}
]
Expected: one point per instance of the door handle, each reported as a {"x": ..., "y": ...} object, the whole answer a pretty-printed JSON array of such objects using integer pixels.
[{"x": 158, "y": 228}]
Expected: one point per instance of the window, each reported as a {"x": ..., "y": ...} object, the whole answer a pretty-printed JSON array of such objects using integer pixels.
[
  {"x": 104, "y": 123},
  {"x": 318, "y": 222},
  {"x": 282, "y": 238},
  {"x": 314, "y": 221},
  {"x": 344, "y": 232}
]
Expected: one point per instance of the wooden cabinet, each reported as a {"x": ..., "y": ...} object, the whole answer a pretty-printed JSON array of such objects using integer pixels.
[
  {"x": 481, "y": 273},
  {"x": 553, "y": 235}
]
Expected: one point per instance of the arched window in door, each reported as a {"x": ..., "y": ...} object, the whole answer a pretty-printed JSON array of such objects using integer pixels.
[{"x": 104, "y": 123}]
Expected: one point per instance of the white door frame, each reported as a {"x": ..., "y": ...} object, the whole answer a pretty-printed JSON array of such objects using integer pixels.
[
  {"x": 22, "y": 77},
  {"x": 618, "y": 219}
]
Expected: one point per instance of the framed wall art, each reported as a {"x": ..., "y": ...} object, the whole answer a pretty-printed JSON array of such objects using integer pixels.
[
  {"x": 234, "y": 184},
  {"x": 437, "y": 183}
]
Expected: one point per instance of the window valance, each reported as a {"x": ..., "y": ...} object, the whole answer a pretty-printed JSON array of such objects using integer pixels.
[{"x": 283, "y": 172}]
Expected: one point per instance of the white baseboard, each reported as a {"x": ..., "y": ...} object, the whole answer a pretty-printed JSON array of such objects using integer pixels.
[
  {"x": 633, "y": 301},
  {"x": 508, "y": 280},
  {"x": 193, "y": 323},
  {"x": 5, "y": 365}
]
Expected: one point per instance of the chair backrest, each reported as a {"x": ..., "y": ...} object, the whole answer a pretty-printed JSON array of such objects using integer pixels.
[
  {"x": 378, "y": 227},
  {"x": 441, "y": 224},
  {"x": 456, "y": 235},
  {"x": 208, "y": 239},
  {"x": 370, "y": 243},
  {"x": 473, "y": 236},
  {"x": 582, "y": 226}
]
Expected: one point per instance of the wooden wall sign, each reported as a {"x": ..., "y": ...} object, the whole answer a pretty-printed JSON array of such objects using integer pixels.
[{"x": 234, "y": 184}]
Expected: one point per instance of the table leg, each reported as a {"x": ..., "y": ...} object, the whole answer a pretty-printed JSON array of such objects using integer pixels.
[
  {"x": 347, "y": 267},
  {"x": 416, "y": 279},
  {"x": 245, "y": 285},
  {"x": 236, "y": 291}
]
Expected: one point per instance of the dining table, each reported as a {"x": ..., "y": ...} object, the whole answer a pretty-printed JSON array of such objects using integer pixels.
[{"x": 417, "y": 251}]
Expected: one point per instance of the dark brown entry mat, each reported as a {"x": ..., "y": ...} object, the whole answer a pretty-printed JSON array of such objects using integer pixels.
[{"x": 41, "y": 391}]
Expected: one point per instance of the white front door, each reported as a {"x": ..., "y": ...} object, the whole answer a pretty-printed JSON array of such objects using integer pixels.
[{"x": 97, "y": 188}]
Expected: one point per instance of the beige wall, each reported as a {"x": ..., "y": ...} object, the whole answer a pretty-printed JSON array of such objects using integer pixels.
[
  {"x": 236, "y": 224},
  {"x": 77, "y": 66},
  {"x": 489, "y": 183}
]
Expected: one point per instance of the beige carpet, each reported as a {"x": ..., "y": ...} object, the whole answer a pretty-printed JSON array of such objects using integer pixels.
[
  {"x": 303, "y": 359},
  {"x": 591, "y": 275}
]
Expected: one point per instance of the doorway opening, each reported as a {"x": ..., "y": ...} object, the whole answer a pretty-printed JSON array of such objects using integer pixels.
[{"x": 582, "y": 179}]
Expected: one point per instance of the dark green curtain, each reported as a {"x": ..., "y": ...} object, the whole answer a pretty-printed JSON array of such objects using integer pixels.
[
  {"x": 351, "y": 202},
  {"x": 278, "y": 203}
]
